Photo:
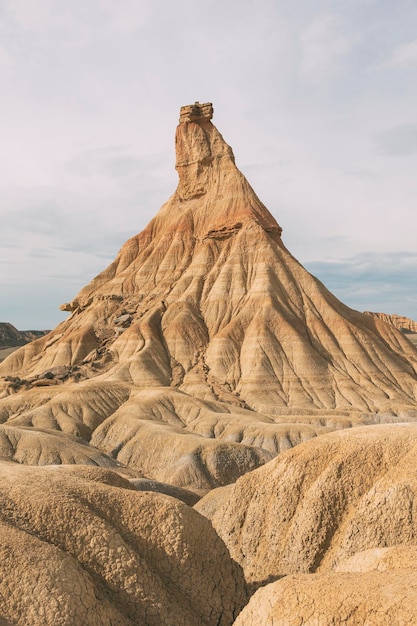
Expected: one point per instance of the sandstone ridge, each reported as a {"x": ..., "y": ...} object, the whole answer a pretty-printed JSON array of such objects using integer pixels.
[{"x": 399, "y": 321}]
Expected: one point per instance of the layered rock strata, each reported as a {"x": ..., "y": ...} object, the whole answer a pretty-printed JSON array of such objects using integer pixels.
[
  {"x": 399, "y": 321},
  {"x": 205, "y": 340},
  {"x": 201, "y": 353}
]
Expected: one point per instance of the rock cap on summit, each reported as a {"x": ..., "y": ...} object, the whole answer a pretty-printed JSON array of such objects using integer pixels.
[{"x": 195, "y": 112}]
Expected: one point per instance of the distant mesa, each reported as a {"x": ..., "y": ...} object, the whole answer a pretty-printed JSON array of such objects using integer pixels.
[
  {"x": 405, "y": 324},
  {"x": 10, "y": 337}
]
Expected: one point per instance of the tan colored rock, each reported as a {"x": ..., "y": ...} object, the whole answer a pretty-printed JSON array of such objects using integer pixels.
[
  {"x": 74, "y": 409},
  {"x": 237, "y": 313},
  {"x": 80, "y": 546},
  {"x": 399, "y": 321},
  {"x": 216, "y": 342},
  {"x": 315, "y": 507},
  {"x": 69, "y": 306},
  {"x": 196, "y": 112},
  {"x": 37, "y": 447},
  {"x": 200, "y": 353},
  {"x": 145, "y": 484},
  {"x": 374, "y": 599},
  {"x": 401, "y": 556},
  {"x": 169, "y": 454}
]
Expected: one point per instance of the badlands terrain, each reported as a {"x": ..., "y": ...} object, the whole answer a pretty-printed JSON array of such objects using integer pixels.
[
  {"x": 210, "y": 437},
  {"x": 11, "y": 338}
]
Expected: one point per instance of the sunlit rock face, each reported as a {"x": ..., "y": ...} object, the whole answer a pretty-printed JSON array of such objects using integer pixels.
[
  {"x": 327, "y": 531},
  {"x": 203, "y": 352},
  {"x": 80, "y": 546},
  {"x": 372, "y": 598},
  {"x": 399, "y": 321},
  {"x": 205, "y": 348},
  {"x": 334, "y": 503}
]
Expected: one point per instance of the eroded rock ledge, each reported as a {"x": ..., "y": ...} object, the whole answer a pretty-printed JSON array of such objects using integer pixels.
[{"x": 196, "y": 112}]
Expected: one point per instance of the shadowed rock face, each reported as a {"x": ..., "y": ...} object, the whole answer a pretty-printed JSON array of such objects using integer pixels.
[
  {"x": 11, "y": 337},
  {"x": 205, "y": 348}
]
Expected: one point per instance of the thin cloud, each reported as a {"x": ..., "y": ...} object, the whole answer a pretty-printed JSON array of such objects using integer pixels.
[
  {"x": 324, "y": 46},
  {"x": 40, "y": 253},
  {"x": 110, "y": 246},
  {"x": 363, "y": 174},
  {"x": 7, "y": 243},
  {"x": 404, "y": 56},
  {"x": 113, "y": 162},
  {"x": 378, "y": 282},
  {"x": 398, "y": 141}
]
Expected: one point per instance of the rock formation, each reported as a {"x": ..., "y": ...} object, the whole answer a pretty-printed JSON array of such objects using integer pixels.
[
  {"x": 318, "y": 505},
  {"x": 201, "y": 353},
  {"x": 80, "y": 546},
  {"x": 333, "y": 524},
  {"x": 372, "y": 598},
  {"x": 10, "y": 337},
  {"x": 205, "y": 340},
  {"x": 399, "y": 321}
]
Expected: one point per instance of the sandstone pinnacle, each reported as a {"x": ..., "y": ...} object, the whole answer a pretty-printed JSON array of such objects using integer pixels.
[
  {"x": 203, "y": 352},
  {"x": 205, "y": 340}
]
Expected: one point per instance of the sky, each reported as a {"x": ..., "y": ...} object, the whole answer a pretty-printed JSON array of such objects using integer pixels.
[{"x": 317, "y": 98}]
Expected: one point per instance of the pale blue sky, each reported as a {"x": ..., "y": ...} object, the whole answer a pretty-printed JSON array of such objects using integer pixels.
[{"x": 317, "y": 98}]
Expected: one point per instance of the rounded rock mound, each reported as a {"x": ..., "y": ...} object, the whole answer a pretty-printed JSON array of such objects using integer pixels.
[
  {"x": 329, "y": 504},
  {"x": 373, "y": 598},
  {"x": 79, "y": 545}
]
